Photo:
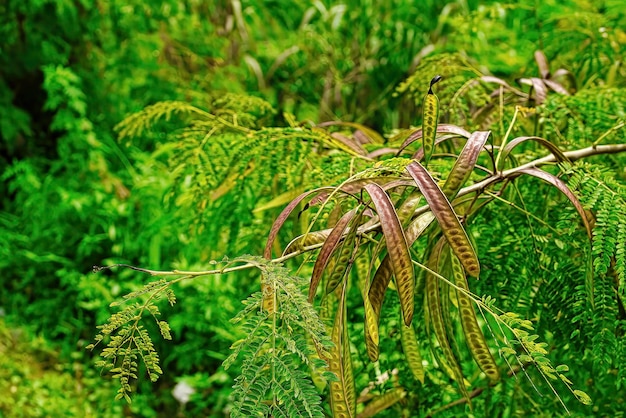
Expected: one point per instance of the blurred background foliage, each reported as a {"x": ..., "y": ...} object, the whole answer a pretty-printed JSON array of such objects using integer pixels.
[{"x": 74, "y": 194}]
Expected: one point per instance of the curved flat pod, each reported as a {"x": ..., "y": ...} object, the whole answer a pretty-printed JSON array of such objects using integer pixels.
[
  {"x": 397, "y": 249},
  {"x": 450, "y": 226}
]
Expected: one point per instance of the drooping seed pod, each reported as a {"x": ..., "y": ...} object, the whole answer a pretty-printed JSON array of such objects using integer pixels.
[{"x": 430, "y": 120}]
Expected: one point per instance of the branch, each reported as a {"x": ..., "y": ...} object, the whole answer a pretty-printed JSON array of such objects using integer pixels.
[
  {"x": 372, "y": 226},
  {"x": 158, "y": 273},
  {"x": 506, "y": 175},
  {"x": 191, "y": 274},
  {"x": 572, "y": 155}
]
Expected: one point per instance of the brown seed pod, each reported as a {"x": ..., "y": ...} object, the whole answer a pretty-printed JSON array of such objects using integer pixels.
[
  {"x": 448, "y": 221},
  {"x": 397, "y": 249},
  {"x": 474, "y": 336}
]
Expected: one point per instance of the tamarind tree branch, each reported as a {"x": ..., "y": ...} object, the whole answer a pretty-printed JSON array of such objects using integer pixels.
[
  {"x": 473, "y": 394},
  {"x": 476, "y": 187}
]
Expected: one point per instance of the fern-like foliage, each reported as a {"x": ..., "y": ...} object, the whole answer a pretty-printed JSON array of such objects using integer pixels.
[
  {"x": 605, "y": 198},
  {"x": 527, "y": 350},
  {"x": 282, "y": 331},
  {"x": 592, "y": 115},
  {"x": 225, "y": 166},
  {"x": 129, "y": 342},
  {"x": 275, "y": 349}
]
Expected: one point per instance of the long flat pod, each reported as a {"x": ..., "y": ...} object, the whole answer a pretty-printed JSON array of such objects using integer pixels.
[
  {"x": 280, "y": 220},
  {"x": 371, "y": 134},
  {"x": 330, "y": 245},
  {"x": 560, "y": 184},
  {"x": 407, "y": 208},
  {"x": 305, "y": 240},
  {"x": 538, "y": 85},
  {"x": 556, "y": 151},
  {"x": 382, "y": 402},
  {"x": 465, "y": 163},
  {"x": 445, "y": 300},
  {"x": 430, "y": 120},
  {"x": 370, "y": 328},
  {"x": 474, "y": 336},
  {"x": 442, "y": 129},
  {"x": 344, "y": 255},
  {"x": 435, "y": 314},
  {"x": 397, "y": 249},
  {"x": 411, "y": 350},
  {"x": 349, "y": 187},
  {"x": 354, "y": 186},
  {"x": 325, "y": 137},
  {"x": 382, "y": 277},
  {"x": 448, "y": 221},
  {"x": 342, "y": 390},
  {"x": 349, "y": 142}
]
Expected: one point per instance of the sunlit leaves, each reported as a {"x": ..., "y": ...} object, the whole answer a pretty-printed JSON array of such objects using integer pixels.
[
  {"x": 582, "y": 397},
  {"x": 534, "y": 352}
]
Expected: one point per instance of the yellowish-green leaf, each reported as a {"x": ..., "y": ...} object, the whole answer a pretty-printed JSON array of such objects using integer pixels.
[{"x": 562, "y": 368}]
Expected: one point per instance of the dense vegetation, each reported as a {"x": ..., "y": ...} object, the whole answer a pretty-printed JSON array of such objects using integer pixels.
[{"x": 273, "y": 152}]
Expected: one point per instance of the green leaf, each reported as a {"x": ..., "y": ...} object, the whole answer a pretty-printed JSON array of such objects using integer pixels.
[{"x": 582, "y": 397}]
